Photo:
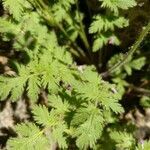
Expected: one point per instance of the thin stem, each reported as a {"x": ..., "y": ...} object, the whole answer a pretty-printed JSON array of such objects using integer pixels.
[
  {"x": 48, "y": 16},
  {"x": 130, "y": 53},
  {"x": 72, "y": 42},
  {"x": 141, "y": 90},
  {"x": 82, "y": 33}
]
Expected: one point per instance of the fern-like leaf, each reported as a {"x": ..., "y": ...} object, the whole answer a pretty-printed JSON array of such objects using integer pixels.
[
  {"x": 30, "y": 138},
  {"x": 43, "y": 117},
  {"x": 89, "y": 131},
  {"x": 33, "y": 87},
  {"x": 16, "y": 9},
  {"x": 123, "y": 140},
  {"x": 58, "y": 135},
  {"x": 114, "y": 5},
  {"x": 56, "y": 102},
  {"x": 103, "y": 23}
]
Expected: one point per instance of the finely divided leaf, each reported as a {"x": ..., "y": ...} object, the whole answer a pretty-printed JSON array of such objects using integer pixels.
[
  {"x": 43, "y": 116},
  {"x": 58, "y": 135},
  {"x": 33, "y": 87},
  {"x": 15, "y": 7},
  {"x": 30, "y": 138}
]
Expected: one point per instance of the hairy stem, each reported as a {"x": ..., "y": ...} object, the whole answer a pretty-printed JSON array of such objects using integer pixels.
[{"x": 130, "y": 53}]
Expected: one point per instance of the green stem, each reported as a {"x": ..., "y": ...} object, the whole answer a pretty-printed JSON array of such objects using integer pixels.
[
  {"x": 48, "y": 16},
  {"x": 130, "y": 53},
  {"x": 72, "y": 42},
  {"x": 82, "y": 33}
]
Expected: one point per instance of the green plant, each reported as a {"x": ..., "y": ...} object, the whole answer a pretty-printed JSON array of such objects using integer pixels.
[{"x": 79, "y": 105}]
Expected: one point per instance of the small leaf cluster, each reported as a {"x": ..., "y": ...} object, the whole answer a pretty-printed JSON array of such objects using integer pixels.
[
  {"x": 103, "y": 25},
  {"x": 121, "y": 73}
]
